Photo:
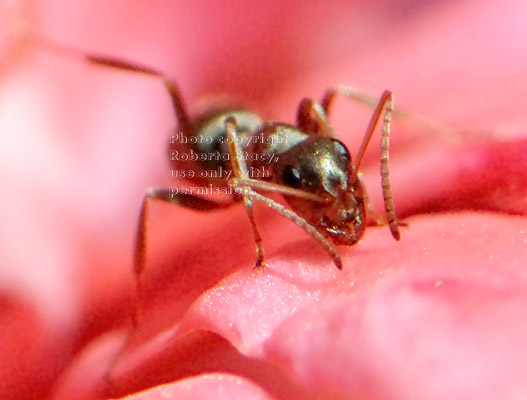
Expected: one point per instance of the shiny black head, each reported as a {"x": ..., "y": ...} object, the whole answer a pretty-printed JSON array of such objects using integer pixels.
[{"x": 322, "y": 166}]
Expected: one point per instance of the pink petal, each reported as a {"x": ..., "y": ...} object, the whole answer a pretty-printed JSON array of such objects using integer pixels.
[
  {"x": 453, "y": 297},
  {"x": 212, "y": 386},
  {"x": 443, "y": 319}
]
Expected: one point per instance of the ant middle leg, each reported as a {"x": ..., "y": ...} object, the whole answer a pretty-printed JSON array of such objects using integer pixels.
[{"x": 398, "y": 112}]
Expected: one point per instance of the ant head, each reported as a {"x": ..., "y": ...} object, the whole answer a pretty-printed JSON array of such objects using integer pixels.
[{"x": 321, "y": 165}]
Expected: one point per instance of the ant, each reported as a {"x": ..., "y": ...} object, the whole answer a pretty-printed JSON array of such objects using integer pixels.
[{"x": 312, "y": 168}]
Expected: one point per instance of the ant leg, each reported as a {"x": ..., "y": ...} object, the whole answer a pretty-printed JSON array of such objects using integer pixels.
[
  {"x": 302, "y": 223},
  {"x": 169, "y": 196},
  {"x": 371, "y": 213},
  {"x": 311, "y": 118},
  {"x": 239, "y": 168},
  {"x": 351, "y": 93},
  {"x": 274, "y": 187},
  {"x": 123, "y": 65},
  {"x": 260, "y": 252},
  {"x": 371, "y": 101},
  {"x": 384, "y": 106}
]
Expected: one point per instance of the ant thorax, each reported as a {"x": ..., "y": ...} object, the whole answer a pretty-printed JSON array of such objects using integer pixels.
[{"x": 206, "y": 148}]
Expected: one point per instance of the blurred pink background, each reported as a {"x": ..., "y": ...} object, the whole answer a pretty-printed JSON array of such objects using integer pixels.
[{"x": 79, "y": 145}]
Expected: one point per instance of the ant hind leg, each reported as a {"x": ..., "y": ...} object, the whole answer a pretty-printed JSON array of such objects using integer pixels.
[{"x": 166, "y": 195}]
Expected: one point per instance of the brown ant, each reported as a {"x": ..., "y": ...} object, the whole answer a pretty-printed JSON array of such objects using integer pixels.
[{"x": 312, "y": 169}]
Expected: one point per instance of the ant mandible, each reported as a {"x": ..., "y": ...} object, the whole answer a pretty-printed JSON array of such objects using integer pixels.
[{"x": 313, "y": 170}]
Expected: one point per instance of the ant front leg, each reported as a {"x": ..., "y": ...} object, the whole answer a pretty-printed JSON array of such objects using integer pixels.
[{"x": 385, "y": 106}]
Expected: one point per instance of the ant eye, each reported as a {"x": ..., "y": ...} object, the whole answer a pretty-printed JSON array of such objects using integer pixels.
[
  {"x": 342, "y": 150},
  {"x": 291, "y": 177}
]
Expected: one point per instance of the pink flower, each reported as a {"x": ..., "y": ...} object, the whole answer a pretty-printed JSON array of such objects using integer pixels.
[{"x": 439, "y": 314}]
